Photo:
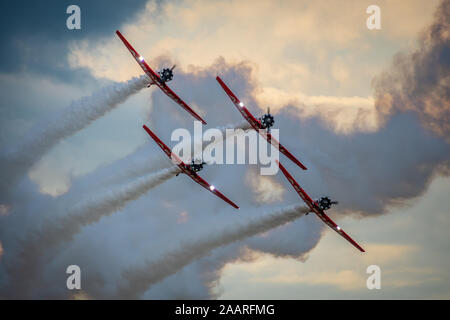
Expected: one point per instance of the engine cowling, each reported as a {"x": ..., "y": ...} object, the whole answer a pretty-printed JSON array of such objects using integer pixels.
[
  {"x": 166, "y": 74},
  {"x": 267, "y": 120},
  {"x": 197, "y": 166},
  {"x": 325, "y": 203}
]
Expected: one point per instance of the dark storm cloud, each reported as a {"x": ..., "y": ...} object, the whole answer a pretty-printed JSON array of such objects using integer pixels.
[{"x": 35, "y": 37}]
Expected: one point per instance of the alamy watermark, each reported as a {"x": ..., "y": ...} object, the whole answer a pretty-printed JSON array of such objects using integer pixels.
[
  {"x": 74, "y": 20},
  {"x": 74, "y": 280},
  {"x": 374, "y": 20},
  {"x": 374, "y": 280},
  {"x": 234, "y": 146}
]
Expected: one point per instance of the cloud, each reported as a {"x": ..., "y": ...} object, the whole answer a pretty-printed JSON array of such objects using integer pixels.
[
  {"x": 192, "y": 34},
  {"x": 344, "y": 115},
  {"x": 368, "y": 171},
  {"x": 333, "y": 159},
  {"x": 419, "y": 81},
  {"x": 81, "y": 296},
  {"x": 343, "y": 272},
  {"x": 138, "y": 279},
  {"x": 266, "y": 189},
  {"x": 291, "y": 48},
  {"x": 59, "y": 230},
  {"x": 36, "y": 39},
  {"x": 78, "y": 115},
  {"x": 389, "y": 253},
  {"x": 183, "y": 217},
  {"x": 344, "y": 279},
  {"x": 4, "y": 209}
]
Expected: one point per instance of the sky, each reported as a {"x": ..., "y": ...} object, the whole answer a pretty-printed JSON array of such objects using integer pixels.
[{"x": 367, "y": 111}]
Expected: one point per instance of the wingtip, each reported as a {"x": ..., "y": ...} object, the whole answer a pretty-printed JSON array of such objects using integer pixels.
[
  {"x": 147, "y": 129},
  {"x": 301, "y": 165}
]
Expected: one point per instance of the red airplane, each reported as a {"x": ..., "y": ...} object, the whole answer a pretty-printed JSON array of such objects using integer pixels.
[
  {"x": 159, "y": 79},
  {"x": 319, "y": 207},
  {"x": 261, "y": 125},
  {"x": 189, "y": 169}
]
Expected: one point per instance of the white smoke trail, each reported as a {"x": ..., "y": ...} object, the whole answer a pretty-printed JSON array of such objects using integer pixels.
[
  {"x": 78, "y": 115},
  {"x": 139, "y": 279},
  {"x": 133, "y": 183},
  {"x": 92, "y": 210},
  {"x": 141, "y": 164},
  {"x": 63, "y": 229},
  {"x": 243, "y": 125}
]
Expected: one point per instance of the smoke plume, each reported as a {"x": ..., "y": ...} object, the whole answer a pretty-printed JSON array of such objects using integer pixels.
[
  {"x": 419, "y": 81},
  {"x": 63, "y": 228},
  {"x": 178, "y": 224},
  {"x": 138, "y": 279},
  {"x": 69, "y": 121}
]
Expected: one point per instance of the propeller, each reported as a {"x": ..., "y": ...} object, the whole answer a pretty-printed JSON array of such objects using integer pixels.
[
  {"x": 197, "y": 164},
  {"x": 166, "y": 74},
  {"x": 197, "y": 161},
  {"x": 325, "y": 203},
  {"x": 267, "y": 120}
]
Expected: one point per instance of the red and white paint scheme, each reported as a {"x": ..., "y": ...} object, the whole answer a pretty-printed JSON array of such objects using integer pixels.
[
  {"x": 314, "y": 206},
  {"x": 258, "y": 125},
  {"x": 188, "y": 169},
  {"x": 156, "y": 79}
]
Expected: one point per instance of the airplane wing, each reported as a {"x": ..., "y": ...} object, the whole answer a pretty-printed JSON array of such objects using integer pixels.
[
  {"x": 314, "y": 207},
  {"x": 175, "y": 159},
  {"x": 156, "y": 80},
  {"x": 209, "y": 187},
  {"x": 266, "y": 135},
  {"x": 338, "y": 229},
  {"x": 240, "y": 106},
  {"x": 256, "y": 124}
]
